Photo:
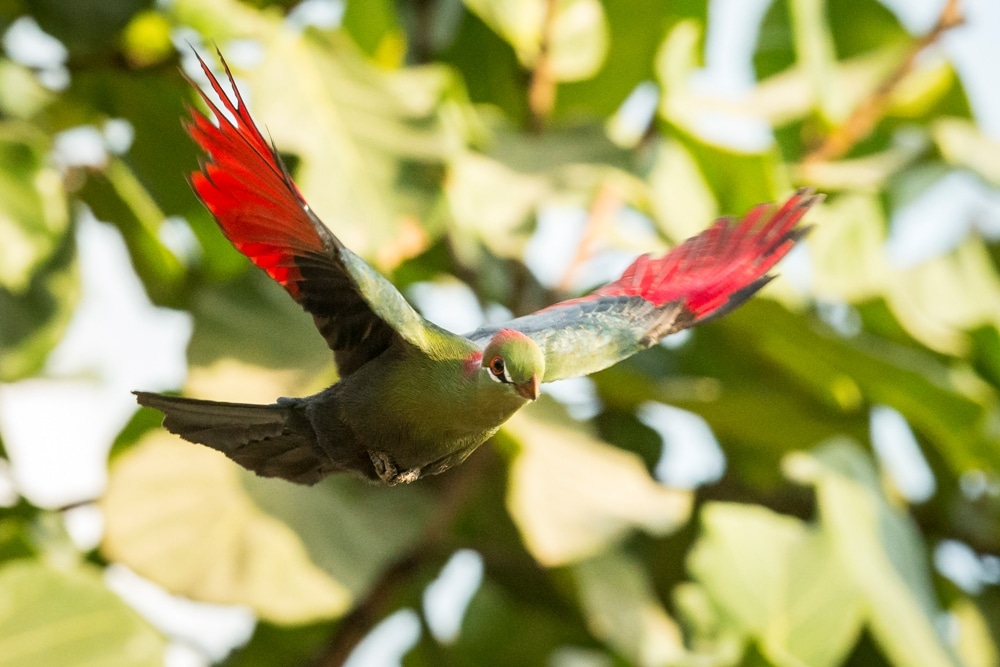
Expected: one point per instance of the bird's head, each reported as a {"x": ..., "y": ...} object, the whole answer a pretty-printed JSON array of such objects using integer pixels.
[{"x": 513, "y": 359}]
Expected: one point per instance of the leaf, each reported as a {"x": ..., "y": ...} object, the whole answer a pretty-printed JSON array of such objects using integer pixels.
[
  {"x": 578, "y": 40},
  {"x": 621, "y": 608},
  {"x": 33, "y": 321},
  {"x": 964, "y": 145},
  {"x": 572, "y": 495},
  {"x": 880, "y": 549},
  {"x": 34, "y": 216},
  {"x": 178, "y": 514},
  {"x": 779, "y": 581},
  {"x": 68, "y": 618}
]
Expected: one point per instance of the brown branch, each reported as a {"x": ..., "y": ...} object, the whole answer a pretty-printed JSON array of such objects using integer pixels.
[
  {"x": 866, "y": 115},
  {"x": 458, "y": 486},
  {"x": 542, "y": 85}
]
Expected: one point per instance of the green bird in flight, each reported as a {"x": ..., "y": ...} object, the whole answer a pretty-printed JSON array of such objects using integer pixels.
[{"x": 414, "y": 399}]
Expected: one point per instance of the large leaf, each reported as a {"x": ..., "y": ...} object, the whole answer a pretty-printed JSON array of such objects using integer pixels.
[
  {"x": 178, "y": 514},
  {"x": 622, "y": 610},
  {"x": 577, "y": 40},
  {"x": 68, "y": 618},
  {"x": 777, "y": 579},
  {"x": 880, "y": 549},
  {"x": 572, "y": 495},
  {"x": 34, "y": 215}
]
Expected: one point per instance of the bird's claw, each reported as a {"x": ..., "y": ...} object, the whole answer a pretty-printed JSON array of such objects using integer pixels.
[{"x": 387, "y": 471}]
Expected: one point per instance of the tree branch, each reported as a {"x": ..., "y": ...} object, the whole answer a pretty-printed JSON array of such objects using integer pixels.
[
  {"x": 866, "y": 115},
  {"x": 542, "y": 85}
]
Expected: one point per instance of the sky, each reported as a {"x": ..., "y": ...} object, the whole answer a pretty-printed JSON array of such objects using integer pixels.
[{"x": 118, "y": 342}]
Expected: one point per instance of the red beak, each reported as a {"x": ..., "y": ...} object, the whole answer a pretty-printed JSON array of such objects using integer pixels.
[{"x": 528, "y": 389}]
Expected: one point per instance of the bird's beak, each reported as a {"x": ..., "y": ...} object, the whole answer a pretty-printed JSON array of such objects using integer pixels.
[{"x": 529, "y": 388}]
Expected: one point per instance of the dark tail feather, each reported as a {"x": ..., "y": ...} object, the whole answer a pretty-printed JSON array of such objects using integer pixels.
[{"x": 271, "y": 440}]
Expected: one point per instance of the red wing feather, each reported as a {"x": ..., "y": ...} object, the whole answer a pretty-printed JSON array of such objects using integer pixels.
[
  {"x": 707, "y": 271},
  {"x": 246, "y": 187}
]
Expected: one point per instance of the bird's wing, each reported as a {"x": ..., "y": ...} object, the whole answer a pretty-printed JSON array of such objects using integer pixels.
[
  {"x": 245, "y": 185},
  {"x": 705, "y": 277}
]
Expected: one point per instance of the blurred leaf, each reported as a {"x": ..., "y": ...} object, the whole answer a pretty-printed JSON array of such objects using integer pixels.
[
  {"x": 964, "y": 145},
  {"x": 273, "y": 645},
  {"x": 33, "y": 322},
  {"x": 815, "y": 54},
  {"x": 976, "y": 646},
  {"x": 178, "y": 514},
  {"x": 779, "y": 581},
  {"x": 578, "y": 38},
  {"x": 69, "y": 618},
  {"x": 847, "y": 249},
  {"x": 681, "y": 198},
  {"x": 572, "y": 495},
  {"x": 375, "y": 28},
  {"x": 34, "y": 215},
  {"x": 351, "y": 529},
  {"x": 622, "y": 610},
  {"x": 21, "y": 96},
  {"x": 880, "y": 549},
  {"x": 857, "y": 26},
  {"x": 636, "y": 30}
]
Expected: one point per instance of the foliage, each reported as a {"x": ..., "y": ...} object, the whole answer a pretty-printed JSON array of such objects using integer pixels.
[{"x": 435, "y": 137}]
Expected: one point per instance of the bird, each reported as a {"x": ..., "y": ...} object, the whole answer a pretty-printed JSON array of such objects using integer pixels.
[{"x": 412, "y": 398}]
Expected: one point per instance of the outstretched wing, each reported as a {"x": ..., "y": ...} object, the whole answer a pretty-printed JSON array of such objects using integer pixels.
[
  {"x": 705, "y": 277},
  {"x": 247, "y": 188}
]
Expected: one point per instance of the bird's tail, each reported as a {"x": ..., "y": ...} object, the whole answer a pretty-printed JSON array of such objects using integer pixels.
[{"x": 271, "y": 440}]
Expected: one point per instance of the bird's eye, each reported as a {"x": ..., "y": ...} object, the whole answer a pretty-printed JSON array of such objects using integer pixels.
[{"x": 497, "y": 367}]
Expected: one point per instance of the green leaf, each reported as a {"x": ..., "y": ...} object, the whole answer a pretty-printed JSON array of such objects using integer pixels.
[
  {"x": 572, "y": 495},
  {"x": 880, "y": 549},
  {"x": 86, "y": 27},
  {"x": 179, "y": 515},
  {"x": 68, "y": 618},
  {"x": 622, "y": 610},
  {"x": 964, "y": 145},
  {"x": 777, "y": 580},
  {"x": 34, "y": 215},
  {"x": 578, "y": 38},
  {"x": 33, "y": 321}
]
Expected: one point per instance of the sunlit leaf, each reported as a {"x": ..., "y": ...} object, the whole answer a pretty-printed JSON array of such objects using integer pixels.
[
  {"x": 67, "y": 618},
  {"x": 178, "y": 514},
  {"x": 964, "y": 145},
  {"x": 34, "y": 215},
  {"x": 880, "y": 549},
  {"x": 572, "y": 495},
  {"x": 622, "y": 610},
  {"x": 578, "y": 38},
  {"x": 778, "y": 580}
]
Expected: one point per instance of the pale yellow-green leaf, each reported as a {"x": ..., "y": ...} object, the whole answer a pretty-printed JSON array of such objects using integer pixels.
[
  {"x": 682, "y": 201},
  {"x": 178, "y": 514},
  {"x": 938, "y": 300},
  {"x": 964, "y": 145},
  {"x": 864, "y": 174},
  {"x": 975, "y": 645},
  {"x": 572, "y": 495},
  {"x": 880, "y": 549},
  {"x": 21, "y": 95},
  {"x": 846, "y": 247},
  {"x": 778, "y": 580},
  {"x": 814, "y": 51},
  {"x": 578, "y": 39},
  {"x": 622, "y": 610},
  {"x": 34, "y": 214},
  {"x": 69, "y": 618}
]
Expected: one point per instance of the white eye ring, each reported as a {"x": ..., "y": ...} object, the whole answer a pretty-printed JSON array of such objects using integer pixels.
[{"x": 504, "y": 376}]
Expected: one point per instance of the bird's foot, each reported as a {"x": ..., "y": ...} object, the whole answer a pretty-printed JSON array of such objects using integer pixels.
[{"x": 387, "y": 471}]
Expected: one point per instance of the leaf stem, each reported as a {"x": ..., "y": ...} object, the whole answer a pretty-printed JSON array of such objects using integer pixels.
[{"x": 542, "y": 85}]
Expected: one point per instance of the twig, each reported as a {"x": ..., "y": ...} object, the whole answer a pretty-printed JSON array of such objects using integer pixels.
[
  {"x": 542, "y": 86},
  {"x": 605, "y": 205},
  {"x": 866, "y": 115},
  {"x": 458, "y": 486}
]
